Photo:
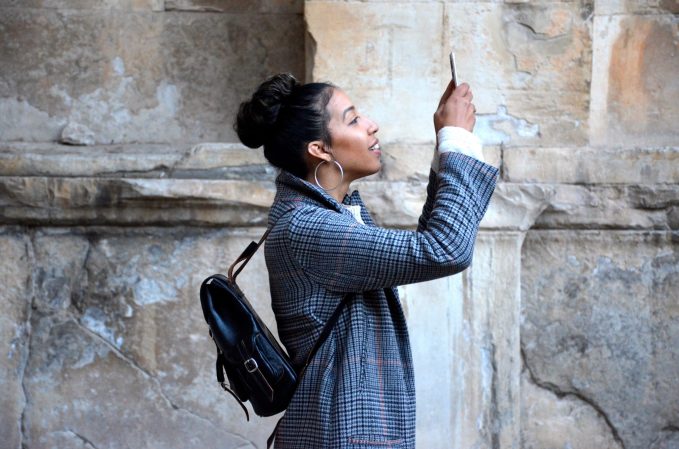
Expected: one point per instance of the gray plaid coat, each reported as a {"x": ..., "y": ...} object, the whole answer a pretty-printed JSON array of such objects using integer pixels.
[{"x": 359, "y": 390}]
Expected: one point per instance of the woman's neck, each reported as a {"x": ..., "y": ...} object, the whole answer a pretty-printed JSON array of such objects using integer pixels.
[{"x": 340, "y": 192}]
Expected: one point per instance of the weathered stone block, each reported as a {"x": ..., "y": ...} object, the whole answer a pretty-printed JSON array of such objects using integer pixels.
[
  {"x": 549, "y": 421},
  {"x": 613, "y": 207},
  {"x": 15, "y": 297},
  {"x": 125, "y": 340},
  {"x": 611, "y": 7},
  {"x": 236, "y": 6},
  {"x": 386, "y": 56},
  {"x": 433, "y": 310},
  {"x": 135, "y": 76},
  {"x": 487, "y": 346},
  {"x": 529, "y": 65},
  {"x": 601, "y": 322},
  {"x": 133, "y": 5},
  {"x": 401, "y": 161},
  {"x": 123, "y": 201},
  {"x": 635, "y": 87},
  {"x": 516, "y": 206},
  {"x": 592, "y": 165},
  {"x": 201, "y": 161}
]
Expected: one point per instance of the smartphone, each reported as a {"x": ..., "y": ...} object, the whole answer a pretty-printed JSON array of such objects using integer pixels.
[{"x": 453, "y": 70}]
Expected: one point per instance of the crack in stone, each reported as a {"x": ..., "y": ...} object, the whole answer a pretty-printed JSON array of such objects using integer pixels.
[
  {"x": 188, "y": 154},
  {"x": 670, "y": 428},
  {"x": 244, "y": 446},
  {"x": 558, "y": 392},
  {"x": 81, "y": 438},
  {"x": 540, "y": 36},
  {"x": 494, "y": 409},
  {"x": 30, "y": 251},
  {"x": 150, "y": 377}
]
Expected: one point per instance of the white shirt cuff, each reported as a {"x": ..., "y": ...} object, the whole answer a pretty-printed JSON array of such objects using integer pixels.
[{"x": 453, "y": 138}]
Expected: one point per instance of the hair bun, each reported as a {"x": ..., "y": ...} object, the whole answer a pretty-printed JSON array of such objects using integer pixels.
[{"x": 257, "y": 116}]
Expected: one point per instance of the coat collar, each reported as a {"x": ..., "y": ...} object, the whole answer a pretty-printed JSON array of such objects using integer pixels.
[{"x": 292, "y": 189}]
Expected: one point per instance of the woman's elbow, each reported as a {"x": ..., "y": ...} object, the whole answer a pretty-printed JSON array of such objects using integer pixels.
[
  {"x": 463, "y": 257},
  {"x": 452, "y": 256}
]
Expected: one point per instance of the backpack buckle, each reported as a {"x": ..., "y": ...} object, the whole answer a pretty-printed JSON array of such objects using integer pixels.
[{"x": 251, "y": 365}]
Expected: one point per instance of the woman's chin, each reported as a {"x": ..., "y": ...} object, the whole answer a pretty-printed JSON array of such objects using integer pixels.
[{"x": 372, "y": 172}]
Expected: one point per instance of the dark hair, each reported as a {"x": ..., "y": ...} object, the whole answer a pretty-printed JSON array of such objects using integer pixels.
[{"x": 284, "y": 116}]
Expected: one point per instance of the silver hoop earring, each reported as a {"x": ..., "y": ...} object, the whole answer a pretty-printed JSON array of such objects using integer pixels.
[{"x": 341, "y": 174}]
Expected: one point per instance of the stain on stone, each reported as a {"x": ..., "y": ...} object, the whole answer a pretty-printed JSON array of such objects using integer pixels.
[
  {"x": 642, "y": 81},
  {"x": 572, "y": 289},
  {"x": 587, "y": 10},
  {"x": 578, "y": 343},
  {"x": 64, "y": 346},
  {"x": 502, "y": 127},
  {"x": 669, "y": 6}
]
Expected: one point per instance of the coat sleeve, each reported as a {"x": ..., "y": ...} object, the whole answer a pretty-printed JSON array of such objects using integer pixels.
[{"x": 345, "y": 256}]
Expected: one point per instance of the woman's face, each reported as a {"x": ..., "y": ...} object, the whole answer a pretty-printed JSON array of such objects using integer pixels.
[{"x": 354, "y": 144}]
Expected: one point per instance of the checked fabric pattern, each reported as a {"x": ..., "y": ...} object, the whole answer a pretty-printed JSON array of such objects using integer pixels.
[{"x": 359, "y": 391}]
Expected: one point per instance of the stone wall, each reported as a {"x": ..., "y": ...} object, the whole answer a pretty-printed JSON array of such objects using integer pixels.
[{"x": 563, "y": 333}]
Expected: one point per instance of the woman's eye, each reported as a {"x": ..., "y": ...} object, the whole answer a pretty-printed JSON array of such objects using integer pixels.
[{"x": 354, "y": 121}]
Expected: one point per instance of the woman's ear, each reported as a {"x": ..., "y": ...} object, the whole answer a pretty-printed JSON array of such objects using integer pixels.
[{"x": 317, "y": 149}]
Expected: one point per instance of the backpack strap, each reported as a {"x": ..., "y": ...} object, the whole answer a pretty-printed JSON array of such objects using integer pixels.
[
  {"x": 222, "y": 382},
  {"x": 246, "y": 255},
  {"x": 251, "y": 250}
]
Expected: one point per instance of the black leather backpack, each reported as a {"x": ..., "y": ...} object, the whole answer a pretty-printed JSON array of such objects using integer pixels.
[{"x": 257, "y": 368}]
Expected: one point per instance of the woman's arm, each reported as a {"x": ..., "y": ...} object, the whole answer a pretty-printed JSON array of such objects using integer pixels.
[
  {"x": 450, "y": 139},
  {"x": 342, "y": 255}
]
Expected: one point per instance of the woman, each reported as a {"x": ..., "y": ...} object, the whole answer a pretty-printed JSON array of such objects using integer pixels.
[{"x": 358, "y": 391}]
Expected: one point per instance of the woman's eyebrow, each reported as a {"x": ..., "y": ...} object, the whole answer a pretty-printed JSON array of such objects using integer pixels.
[{"x": 344, "y": 114}]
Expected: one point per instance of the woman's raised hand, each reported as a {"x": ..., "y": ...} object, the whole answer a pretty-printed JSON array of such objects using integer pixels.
[{"x": 456, "y": 108}]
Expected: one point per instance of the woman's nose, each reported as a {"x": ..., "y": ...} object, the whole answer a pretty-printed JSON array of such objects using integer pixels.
[{"x": 372, "y": 127}]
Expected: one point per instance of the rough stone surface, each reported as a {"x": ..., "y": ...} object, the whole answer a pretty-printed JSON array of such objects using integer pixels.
[
  {"x": 386, "y": 57},
  {"x": 239, "y": 202},
  {"x": 201, "y": 161},
  {"x": 121, "y": 201},
  {"x": 118, "y": 335},
  {"x": 646, "y": 206},
  {"x": 236, "y": 6},
  {"x": 413, "y": 161},
  {"x": 105, "y": 5},
  {"x": 635, "y": 87},
  {"x": 434, "y": 311},
  {"x": 486, "y": 346},
  {"x": 15, "y": 297},
  {"x": 530, "y": 66},
  {"x": 592, "y": 165},
  {"x": 612, "y": 7},
  {"x": 601, "y": 323},
  {"x": 179, "y": 79},
  {"x": 549, "y": 421},
  {"x": 515, "y": 206},
  {"x": 77, "y": 134}
]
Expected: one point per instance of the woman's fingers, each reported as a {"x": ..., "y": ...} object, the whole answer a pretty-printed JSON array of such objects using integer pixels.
[
  {"x": 456, "y": 108},
  {"x": 462, "y": 90}
]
